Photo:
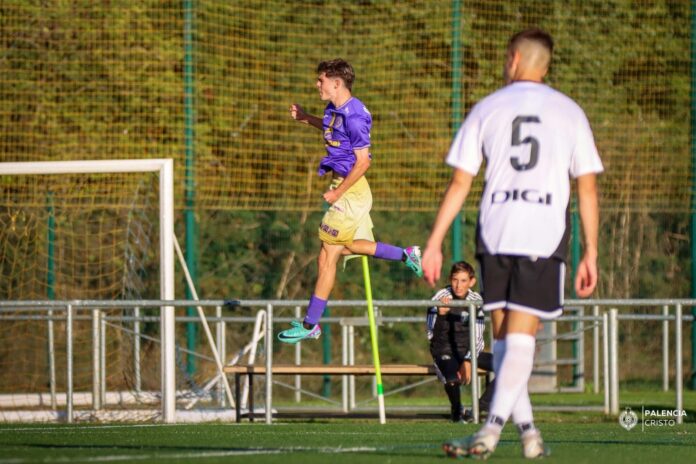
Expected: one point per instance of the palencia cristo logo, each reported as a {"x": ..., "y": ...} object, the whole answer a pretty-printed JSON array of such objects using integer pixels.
[{"x": 628, "y": 419}]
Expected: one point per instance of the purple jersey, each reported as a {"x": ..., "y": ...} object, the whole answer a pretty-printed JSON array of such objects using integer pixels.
[{"x": 346, "y": 129}]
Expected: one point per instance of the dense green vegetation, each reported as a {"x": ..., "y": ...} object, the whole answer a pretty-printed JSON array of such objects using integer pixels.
[{"x": 83, "y": 80}]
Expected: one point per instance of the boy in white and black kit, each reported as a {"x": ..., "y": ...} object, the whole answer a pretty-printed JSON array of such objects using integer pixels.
[{"x": 450, "y": 339}]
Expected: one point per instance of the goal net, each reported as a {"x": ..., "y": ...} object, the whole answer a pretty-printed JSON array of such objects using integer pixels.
[{"x": 86, "y": 230}]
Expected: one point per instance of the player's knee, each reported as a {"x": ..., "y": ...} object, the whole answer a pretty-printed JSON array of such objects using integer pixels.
[{"x": 329, "y": 255}]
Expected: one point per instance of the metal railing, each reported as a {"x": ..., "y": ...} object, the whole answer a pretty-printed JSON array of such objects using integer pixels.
[{"x": 607, "y": 322}]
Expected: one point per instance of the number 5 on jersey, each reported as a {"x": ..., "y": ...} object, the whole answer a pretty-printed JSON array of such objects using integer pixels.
[{"x": 533, "y": 142}]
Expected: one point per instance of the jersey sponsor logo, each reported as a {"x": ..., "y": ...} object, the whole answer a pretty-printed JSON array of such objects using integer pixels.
[
  {"x": 329, "y": 230},
  {"x": 328, "y": 133},
  {"x": 526, "y": 195}
]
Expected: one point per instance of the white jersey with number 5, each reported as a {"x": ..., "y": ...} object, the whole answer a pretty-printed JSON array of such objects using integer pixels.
[{"x": 533, "y": 138}]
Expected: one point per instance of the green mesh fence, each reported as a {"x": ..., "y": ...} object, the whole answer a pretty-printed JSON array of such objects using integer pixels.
[
  {"x": 105, "y": 80},
  {"x": 86, "y": 80}
]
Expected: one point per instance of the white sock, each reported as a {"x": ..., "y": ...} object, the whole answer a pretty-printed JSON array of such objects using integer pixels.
[
  {"x": 512, "y": 376},
  {"x": 522, "y": 411},
  {"x": 522, "y": 414}
]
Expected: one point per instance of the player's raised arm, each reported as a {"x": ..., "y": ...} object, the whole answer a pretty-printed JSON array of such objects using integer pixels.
[
  {"x": 454, "y": 198},
  {"x": 298, "y": 114},
  {"x": 588, "y": 204}
]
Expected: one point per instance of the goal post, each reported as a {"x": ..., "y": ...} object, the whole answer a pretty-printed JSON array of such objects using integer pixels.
[{"x": 165, "y": 170}]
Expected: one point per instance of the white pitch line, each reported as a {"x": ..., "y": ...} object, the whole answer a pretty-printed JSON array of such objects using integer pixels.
[
  {"x": 82, "y": 427},
  {"x": 191, "y": 455},
  {"x": 241, "y": 429}
]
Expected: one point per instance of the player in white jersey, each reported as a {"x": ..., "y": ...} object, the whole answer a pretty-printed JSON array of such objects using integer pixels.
[{"x": 532, "y": 138}]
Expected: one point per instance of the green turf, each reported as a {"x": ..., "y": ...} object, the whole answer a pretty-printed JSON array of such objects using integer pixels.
[
  {"x": 574, "y": 437},
  {"x": 334, "y": 441}
]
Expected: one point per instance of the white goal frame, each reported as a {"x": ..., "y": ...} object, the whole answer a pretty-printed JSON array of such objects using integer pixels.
[{"x": 165, "y": 168}]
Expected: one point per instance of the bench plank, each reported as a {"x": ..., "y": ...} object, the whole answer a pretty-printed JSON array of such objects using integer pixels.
[
  {"x": 328, "y": 369},
  {"x": 317, "y": 369}
]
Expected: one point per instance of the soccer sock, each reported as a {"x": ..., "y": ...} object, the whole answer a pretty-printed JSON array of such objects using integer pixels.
[
  {"x": 495, "y": 423},
  {"x": 389, "y": 252},
  {"x": 512, "y": 376},
  {"x": 522, "y": 411},
  {"x": 522, "y": 414},
  {"x": 314, "y": 310},
  {"x": 454, "y": 394}
]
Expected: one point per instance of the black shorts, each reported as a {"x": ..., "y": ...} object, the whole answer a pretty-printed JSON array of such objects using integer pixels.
[{"x": 520, "y": 283}]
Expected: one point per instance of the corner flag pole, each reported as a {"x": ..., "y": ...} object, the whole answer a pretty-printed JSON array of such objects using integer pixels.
[{"x": 373, "y": 339}]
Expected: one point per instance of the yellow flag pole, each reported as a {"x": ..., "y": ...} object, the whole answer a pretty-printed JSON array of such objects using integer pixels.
[{"x": 373, "y": 339}]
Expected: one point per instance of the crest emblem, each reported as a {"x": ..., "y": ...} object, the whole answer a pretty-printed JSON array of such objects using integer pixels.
[{"x": 628, "y": 419}]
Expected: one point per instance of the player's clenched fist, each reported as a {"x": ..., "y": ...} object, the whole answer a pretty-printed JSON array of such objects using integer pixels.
[{"x": 297, "y": 113}]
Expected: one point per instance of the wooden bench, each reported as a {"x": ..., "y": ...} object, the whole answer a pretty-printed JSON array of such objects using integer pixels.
[{"x": 318, "y": 369}]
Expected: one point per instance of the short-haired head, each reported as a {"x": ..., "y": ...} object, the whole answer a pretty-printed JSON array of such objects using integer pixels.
[
  {"x": 535, "y": 47},
  {"x": 462, "y": 266},
  {"x": 338, "y": 68}
]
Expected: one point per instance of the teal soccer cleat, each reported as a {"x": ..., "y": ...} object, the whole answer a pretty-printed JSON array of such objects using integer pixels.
[
  {"x": 297, "y": 333},
  {"x": 413, "y": 259}
]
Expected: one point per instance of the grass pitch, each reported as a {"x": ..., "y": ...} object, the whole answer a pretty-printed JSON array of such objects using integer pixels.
[
  {"x": 335, "y": 441},
  {"x": 574, "y": 437}
]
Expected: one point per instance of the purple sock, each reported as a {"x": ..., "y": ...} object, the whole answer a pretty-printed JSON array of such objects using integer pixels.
[
  {"x": 315, "y": 310},
  {"x": 388, "y": 252}
]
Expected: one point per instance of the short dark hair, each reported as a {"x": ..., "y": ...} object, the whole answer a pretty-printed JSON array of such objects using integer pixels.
[
  {"x": 534, "y": 34},
  {"x": 338, "y": 68},
  {"x": 462, "y": 266}
]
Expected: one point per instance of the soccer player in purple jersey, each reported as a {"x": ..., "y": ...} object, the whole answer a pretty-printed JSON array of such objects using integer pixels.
[{"x": 346, "y": 228}]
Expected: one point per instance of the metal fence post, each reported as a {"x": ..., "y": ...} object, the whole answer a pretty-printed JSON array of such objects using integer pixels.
[
  {"x": 665, "y": 349},
  {"x": 351, "y": 362},
  {"x": 298, "y": 360},
  {"x": 678, "y": 374},
  {"x": 474, "y": 362},
  {"x": 614, "y": 359},
  {"x": 344, "y": 361},
  {"x": 102, "y": 358},
  {"x": 69, "y": 364},
  {"x": 595, "y": 348},
  {"x": 96, "y": 358},
  {"x": 605, "y": 353},
  {"x": 221, "y": 348},
  {"x": 52, "y": 361},
  {"x": 269, "y": 364},
  {"x": 579, "y": 326},
  {"x": 136, "y": 349}
]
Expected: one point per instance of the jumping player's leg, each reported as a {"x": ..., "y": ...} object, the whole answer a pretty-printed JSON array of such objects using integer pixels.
[
  {"x": 386, "y": 251},
  {"x": 326, "y": 269},
  {"x": 326, "y": 277}
]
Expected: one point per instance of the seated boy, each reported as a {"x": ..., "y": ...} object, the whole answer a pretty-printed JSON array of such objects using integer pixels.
[{"x": 448, "y": 332}]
